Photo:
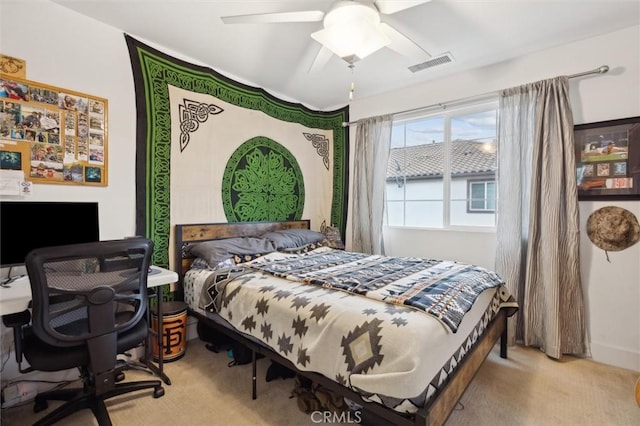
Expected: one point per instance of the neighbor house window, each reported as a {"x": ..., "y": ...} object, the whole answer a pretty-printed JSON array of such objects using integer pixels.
[
  {"x": 442, "y": 169},
  {"x": 482, "y": 196}
]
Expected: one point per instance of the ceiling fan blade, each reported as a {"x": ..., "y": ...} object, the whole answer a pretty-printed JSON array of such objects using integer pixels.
[
  {"x": 403, "y": 45},
  {"x": 388, "y": 7},
  {"x": 275, "y": 18},
  {"x": 320, "y": 60}
]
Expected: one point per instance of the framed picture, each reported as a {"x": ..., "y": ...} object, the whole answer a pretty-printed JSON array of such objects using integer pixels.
[{"x": 608, "y": 159}]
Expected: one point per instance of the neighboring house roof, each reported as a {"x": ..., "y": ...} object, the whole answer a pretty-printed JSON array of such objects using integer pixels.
[{"x": 467, "y": 157}]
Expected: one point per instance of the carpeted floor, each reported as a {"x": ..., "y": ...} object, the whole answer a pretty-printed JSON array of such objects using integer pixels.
[{"x": 526, "y": 389}]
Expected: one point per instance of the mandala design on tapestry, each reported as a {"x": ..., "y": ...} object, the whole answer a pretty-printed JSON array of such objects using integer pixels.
[
  {"x": 191, "y": 115},
  {"x": 262, "y": 181}
]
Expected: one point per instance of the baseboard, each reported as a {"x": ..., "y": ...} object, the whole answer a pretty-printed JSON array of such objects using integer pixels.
[{"x": 616, "y": 356}]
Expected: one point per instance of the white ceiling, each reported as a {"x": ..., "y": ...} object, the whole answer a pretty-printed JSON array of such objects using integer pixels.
[{"x": 277, "y": 57}]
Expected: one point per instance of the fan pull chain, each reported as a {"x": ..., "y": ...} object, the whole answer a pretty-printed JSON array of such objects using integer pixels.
[{"x": 353, "y": 84}]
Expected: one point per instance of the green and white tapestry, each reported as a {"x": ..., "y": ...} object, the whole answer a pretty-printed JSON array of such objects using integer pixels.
[{"x": 211, "y": 149}]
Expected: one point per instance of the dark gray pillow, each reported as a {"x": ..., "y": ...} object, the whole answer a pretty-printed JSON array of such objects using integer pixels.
[
  {"x": 217, "y": 251},
  {"x": 290, "y": 238}
]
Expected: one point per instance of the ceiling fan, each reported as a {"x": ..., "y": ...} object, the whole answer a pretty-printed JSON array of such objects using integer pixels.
[{"x": 352, "y": 29}]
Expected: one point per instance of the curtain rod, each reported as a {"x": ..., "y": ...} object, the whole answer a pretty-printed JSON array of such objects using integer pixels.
[{"x": 600, "y": 70}]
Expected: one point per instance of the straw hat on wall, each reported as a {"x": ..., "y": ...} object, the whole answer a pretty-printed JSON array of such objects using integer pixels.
[{"x": 613, "y": 228}]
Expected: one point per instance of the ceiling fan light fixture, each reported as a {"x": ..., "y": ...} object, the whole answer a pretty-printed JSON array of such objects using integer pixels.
[
  {"x": 358, "y": 40},
  {"x": 352, "y": 28}
]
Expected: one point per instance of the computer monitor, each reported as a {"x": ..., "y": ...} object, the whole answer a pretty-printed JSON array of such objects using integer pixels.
[{"x": 26, "y": 225}]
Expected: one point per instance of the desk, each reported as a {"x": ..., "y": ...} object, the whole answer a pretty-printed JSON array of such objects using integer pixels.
[{"x": 15, "y": 297}]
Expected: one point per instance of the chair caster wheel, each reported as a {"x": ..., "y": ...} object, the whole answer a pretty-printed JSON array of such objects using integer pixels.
[
  {"x": 158, "y": 392},
  {"x": 40, "y": 405},
  {"x": 119, "y": 377}
]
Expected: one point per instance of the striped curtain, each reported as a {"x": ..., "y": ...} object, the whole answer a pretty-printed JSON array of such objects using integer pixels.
[
  {"x": 537, "y": 226},
  {"x": 373, "y": 139}
]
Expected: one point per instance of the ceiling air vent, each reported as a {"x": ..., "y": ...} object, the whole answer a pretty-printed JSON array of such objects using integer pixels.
[{"x": 438, "y": 60}]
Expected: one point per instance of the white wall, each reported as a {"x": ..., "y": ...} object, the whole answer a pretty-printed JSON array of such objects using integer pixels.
[
  {"x": 68, "y": 50},
  {"x": 612, "y": 290}
]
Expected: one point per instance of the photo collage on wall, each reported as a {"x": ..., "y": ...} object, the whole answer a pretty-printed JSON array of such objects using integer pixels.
[{"x": 61, "y": 133}]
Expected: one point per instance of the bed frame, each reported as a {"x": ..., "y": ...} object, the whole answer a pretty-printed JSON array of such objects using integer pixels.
[{"x": 438, "y": 409}]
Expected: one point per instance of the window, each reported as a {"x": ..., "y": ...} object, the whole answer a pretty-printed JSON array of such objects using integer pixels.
[
  {"x": 482, "y": 196},
  {"x": 442, "y": 168}
]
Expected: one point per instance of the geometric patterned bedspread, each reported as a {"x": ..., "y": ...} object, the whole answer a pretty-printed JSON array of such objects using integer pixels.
[
  {"x": 392, "y": 354},
  {"x": 444, "y": 289}
]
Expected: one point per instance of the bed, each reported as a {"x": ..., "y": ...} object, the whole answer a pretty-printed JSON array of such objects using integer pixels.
[{"x": 409, "y": 333}]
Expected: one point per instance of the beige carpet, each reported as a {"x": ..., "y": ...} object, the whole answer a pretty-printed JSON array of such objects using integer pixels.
[{"x": 526, "y": 389}]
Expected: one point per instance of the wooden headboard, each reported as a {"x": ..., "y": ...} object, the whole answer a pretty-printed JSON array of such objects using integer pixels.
[{"x": 187, "y": 234}]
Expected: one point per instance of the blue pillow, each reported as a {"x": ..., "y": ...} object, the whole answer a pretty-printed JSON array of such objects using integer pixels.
[{"x": 216, "y": 251}]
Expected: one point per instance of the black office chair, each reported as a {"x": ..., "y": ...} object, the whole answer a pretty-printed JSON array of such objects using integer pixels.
[{"x": 89, "y": 304}]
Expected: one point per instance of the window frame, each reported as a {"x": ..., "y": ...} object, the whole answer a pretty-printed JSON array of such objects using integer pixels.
[
  {"x": 448, "y": 112},
  {"x": 470, "y": 199}
]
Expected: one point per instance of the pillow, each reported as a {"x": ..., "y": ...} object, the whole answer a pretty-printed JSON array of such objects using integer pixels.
[
  {"x": 333, "y": 237},
  {"x": 290, "y": 238},
  {"x": 216, "y": 251}
]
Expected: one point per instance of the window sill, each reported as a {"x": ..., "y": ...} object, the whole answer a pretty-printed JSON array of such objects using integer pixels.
[{"x": 478, "y": 229}]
